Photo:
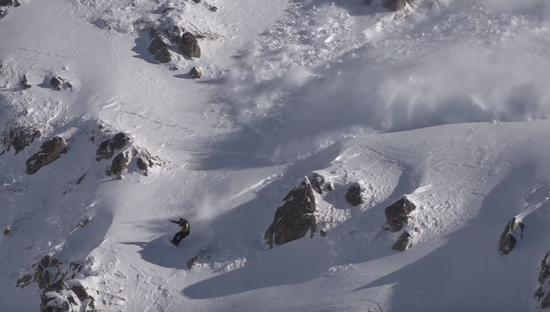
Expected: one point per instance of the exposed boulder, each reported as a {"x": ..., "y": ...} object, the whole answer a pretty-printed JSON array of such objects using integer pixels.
[
  {"x": 120, "y": 164},
  {"x": 189, "y": 46},
  {"x": 159, "y": 48},
  {"x": 197, "y": 256},
  {"x": 59, "y": 83},
  {"x": 47, "y": 270},
  {"x": 508, "y": 238},
  {"x": 7, "y": 231},
  {"x": 145, "y": 161},
  {"x": 49, "y": 152},
  {"x": 195, "y": 73},
  {"x": 397, "y": 5},
  {"x": 319, "y": 183},
  {"x": 68, "y": 296},
  {"x": 354, "y": 196},
  {"x": 197, "y": 1},
  {"x": 295, "y": 217},
  {"x": 6, "y": 2},
  {"x": 108, "y": 147},
  {"x": 402, "y": 242},
  {"x": 19, "y": 138},
  {"x": 542, "y": 294},
  {"x": 3, "y": 12},
  {"x": 398, "y": 214},
  {"x": 25, "y": 83}
]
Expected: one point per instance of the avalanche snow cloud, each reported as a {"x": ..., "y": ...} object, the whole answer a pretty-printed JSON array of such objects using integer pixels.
[{"x": 449, "y": 62}]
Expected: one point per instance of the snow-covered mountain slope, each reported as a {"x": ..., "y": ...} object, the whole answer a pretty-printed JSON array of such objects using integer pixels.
[{"x": 443, "y": 103}]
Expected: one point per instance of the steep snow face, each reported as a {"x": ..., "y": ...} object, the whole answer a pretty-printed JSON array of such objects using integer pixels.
[{"x": 338, "y": 88}]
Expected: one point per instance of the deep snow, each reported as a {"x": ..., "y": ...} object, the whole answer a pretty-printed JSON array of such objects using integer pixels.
[{"x": 447, "y": 106}]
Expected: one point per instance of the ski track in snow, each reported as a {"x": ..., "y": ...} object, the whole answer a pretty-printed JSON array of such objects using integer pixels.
[{"x": 446, "y": 105}]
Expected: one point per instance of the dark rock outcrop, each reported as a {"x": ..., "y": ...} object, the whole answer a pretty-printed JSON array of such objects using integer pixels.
[
  {"x": 108, "y": 147},
  {"x": 319, "y": 183},
  {"x": 6, "y": 2},
  {"x": 397, "y": 5},
  {"x": 508, "y": 239},
  {"x": 402, "y": 242},
  {"x": 398, "y": 214},
  {"x": 189, "y": 46},
  {"x": 197, "y": 256},
  {"x": 159, "y": 48},
  {"x": 69, "y": 296},
  {"x": 56, "y": 82},
  {"x": 49, "y": 152},
  {"x": 120, "y": 164},
  {"x": 48, "y": 270},
  {"x": 19, "y": 138},
  {"x": 195, "y": 73},
  {"x": 542, "y": 294},
  {"x": 7, "y": 231},
  {"x": 25, "y": 83},
  {"x": 295, "y": 217},
  {"x": 354, "y": 195}
]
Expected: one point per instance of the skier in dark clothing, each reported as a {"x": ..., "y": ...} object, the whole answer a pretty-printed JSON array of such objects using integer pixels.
[{"x": 185, "y": 230}]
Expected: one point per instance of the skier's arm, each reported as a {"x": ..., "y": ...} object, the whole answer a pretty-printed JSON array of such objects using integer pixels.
[{"x": 176, "y": 222}]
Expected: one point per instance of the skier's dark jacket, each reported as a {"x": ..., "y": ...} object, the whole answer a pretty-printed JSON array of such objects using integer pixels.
[{"x": 184, "y": 224}]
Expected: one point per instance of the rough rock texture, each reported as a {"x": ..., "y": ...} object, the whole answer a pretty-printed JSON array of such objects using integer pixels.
[
  {"x": 47, "y": 270},
  {"x": 189, "y": 46},
  {"x": 7, "y": 231},
  {"x": 542, "y": 294},
  {"x": 197, "y": 256},
  {"x": 402, "y": 242},
  {"x": 25, "y": 83},
  {"x": 295, "y": 217},
  {"x": 398, "y": 214},
  {"x": 120, "y": 164},
  {"x": 68, "y": 296},
  {"x": 508, "y": 238},
  {"x": 6, "y": 2},
  {"x": 319, "y": 183},
  {"x": 159, "y": 48},
  {"x": 108, "y": 147},
  {"x": 19, "y": 138},
  {"x": 195, "y": 73},
  {"x": 49, "y": 152},
  {"x": 397, "y": 5},
  {"x": 145, "y": 161},
  {"x": 354, "y": 195},
  {"x": 56, "y": 82}
]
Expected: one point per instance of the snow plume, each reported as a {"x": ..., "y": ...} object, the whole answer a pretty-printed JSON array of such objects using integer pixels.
[{"x": 480, "y": 63}]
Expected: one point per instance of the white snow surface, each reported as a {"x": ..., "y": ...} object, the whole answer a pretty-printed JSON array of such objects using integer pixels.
[{"x": 447, "y": 105}]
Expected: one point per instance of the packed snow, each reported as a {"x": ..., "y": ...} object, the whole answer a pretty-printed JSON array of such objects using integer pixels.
[{"x": 444, "y": 103}]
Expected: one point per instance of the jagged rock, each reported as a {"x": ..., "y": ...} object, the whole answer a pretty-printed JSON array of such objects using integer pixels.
[
  {"x": 56, "y": 82},
  {"x": 195, "y": 73},
  {"x": 120, "y": 164},
  {"x": 25, "y": 83},
  {"x": 398, "y": 214},
  {"x": 397, "y": 5},
  {"x": 49, "y": 152},
  {"x": 83, "y": 222},
  {"x": 159, "y": 48},
  {"x": 402, "y": 242},
  {"x": 508, "y": 238},
  {"x": 6, "y": 2},
  {"x": 203, "y": 252},
  {"x": 295, "y": 217},
  {"x": 354, "y": 196},
  {"x": 47, "y": 270},
  {"x": 214, "y": 9},
  {"x": 542, "y": 294},
  {"x": 19, "y": 138},
  {"x": 319, "y": 183},
  {"x": 68, "y": 296},
  {"x": 107, "y": 148},
  {"x": 189, "y": 46},
  {"x": 7, "y": 231}
]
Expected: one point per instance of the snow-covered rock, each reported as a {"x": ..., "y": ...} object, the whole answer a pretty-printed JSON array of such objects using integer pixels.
[
  {"x": 402, "y": 242},
  {"x": 543, "y": 294},
  {"x": 19, "y": 137},
  {"x": 108, "y": 147},
  {"x": 66, "y": 296},
  {"x": 508, "y": 239},
  {"x": 295, "y": 217},
  {"x": 49, "y": 152},
  {"x": 398, "y": 214},
  {"x": 354, "y": 195},
  {"x": 189, "y": 46}
]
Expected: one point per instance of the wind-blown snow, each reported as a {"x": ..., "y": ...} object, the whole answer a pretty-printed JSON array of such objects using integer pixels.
[{"x": 447, "y": 106}]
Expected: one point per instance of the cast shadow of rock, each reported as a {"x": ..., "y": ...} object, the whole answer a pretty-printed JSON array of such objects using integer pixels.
[
  {"x": 467, "y": 273},
  {"x": 295, "y": 262},
  {"x": 142, "y": 43}
]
